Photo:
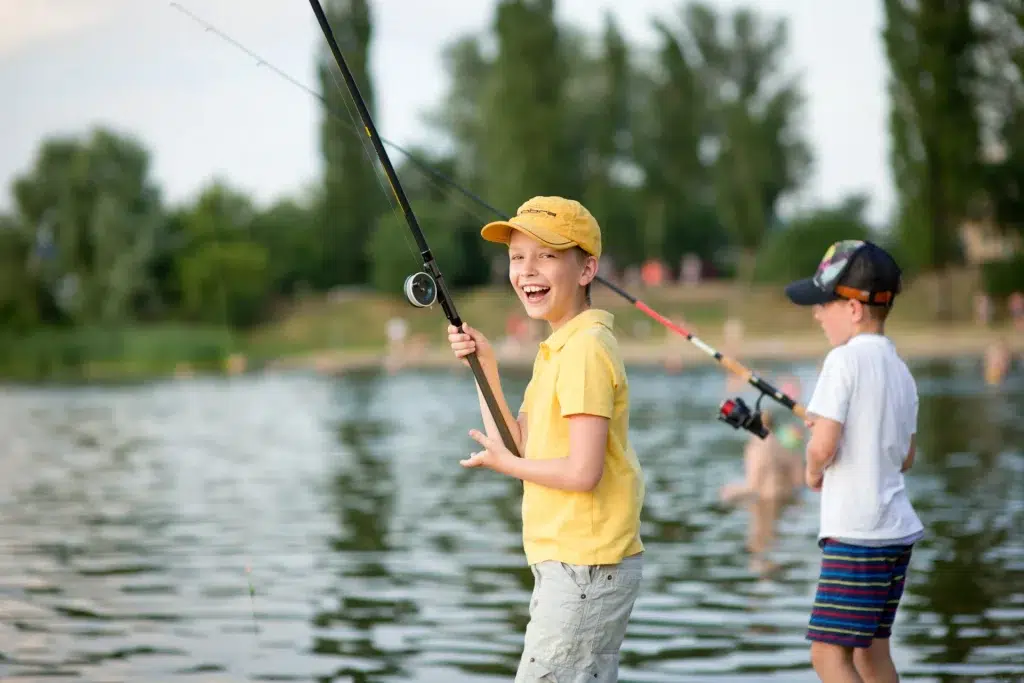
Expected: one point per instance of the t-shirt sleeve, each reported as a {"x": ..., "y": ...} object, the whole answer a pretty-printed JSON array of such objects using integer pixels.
[
  {"x": 586, "y": 380},
  {"x": 832, "y": 392}
]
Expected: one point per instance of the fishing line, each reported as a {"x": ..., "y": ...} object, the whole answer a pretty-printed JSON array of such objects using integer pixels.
[
  {"x": 733, "y": 412},
  {"x": 428, "y": 285}
]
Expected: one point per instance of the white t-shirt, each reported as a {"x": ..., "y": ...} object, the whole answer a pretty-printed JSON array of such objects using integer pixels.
[{"x": 866, "y": 386}]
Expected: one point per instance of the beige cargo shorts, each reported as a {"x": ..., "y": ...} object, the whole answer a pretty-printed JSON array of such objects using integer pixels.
[{"x": 578, "y": 618}]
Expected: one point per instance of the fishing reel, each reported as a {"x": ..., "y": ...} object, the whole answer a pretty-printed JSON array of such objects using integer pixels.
[
  {"x": 737, "y": 414},
  {"x": 420, "y": 289}
]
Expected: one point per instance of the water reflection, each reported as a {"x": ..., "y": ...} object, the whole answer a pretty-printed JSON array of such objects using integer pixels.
[{"x": 128, "y": 517}]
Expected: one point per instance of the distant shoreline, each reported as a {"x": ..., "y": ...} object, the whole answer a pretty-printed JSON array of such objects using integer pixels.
[{"x": 673, "y": 354}]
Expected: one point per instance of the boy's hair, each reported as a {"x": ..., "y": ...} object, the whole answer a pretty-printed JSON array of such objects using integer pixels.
[{"x": 877, "y": 314}]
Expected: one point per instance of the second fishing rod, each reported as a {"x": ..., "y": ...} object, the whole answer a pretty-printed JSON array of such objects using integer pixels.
[{"x": 424, "y": 288}]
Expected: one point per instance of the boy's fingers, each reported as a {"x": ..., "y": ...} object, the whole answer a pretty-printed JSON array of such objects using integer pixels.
[
  {"x": 480, "y": 438},
  {"x": 473, "y": 460}
]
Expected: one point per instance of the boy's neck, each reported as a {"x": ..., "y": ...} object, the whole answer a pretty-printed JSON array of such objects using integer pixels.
[
  {"x": 869, "y": 327},
  {"x": 556, "y": 325}
]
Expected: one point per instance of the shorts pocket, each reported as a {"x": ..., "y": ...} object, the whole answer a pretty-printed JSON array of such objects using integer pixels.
[
  {"x": 603, "y": 669},
  {"x": 609, "y": 620},
  {"x": 606, "y": 668},
  {"x": 533, "y": 671}
]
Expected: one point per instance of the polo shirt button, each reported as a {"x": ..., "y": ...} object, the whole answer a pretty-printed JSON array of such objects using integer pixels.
[
  {"x": 532, "y": 660},
  {"x": 609, "y": 577},
  {"x": 583, "y": 597}
]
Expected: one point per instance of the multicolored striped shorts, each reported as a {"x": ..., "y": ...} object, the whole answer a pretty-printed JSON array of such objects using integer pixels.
[{"x": 858, "y": 592}]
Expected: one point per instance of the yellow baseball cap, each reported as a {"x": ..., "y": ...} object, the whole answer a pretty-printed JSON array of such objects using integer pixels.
[{"x": 553, "y": 221}]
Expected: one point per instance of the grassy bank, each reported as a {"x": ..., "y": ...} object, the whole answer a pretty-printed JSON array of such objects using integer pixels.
[
  {"x": 113, "y": 353},
  {"x": 357, "y": 323},
  {"x": 347, "y": 331}
]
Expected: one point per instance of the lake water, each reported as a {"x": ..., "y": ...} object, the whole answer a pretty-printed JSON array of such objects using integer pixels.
[{"x": 130, "y": 515}]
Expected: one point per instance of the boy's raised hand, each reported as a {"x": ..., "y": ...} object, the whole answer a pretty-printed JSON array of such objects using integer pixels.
[
  {"x": 469, "y": 340},
  {"x": 493, "y": 456}
]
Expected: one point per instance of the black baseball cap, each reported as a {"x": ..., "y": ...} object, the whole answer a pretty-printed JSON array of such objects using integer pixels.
[{"x": 850, "y": 269}]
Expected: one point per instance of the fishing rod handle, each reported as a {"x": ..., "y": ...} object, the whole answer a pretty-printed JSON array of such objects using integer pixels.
[
  {"x": 492, "y": 402},
  {"x": 738, "y": 368}
]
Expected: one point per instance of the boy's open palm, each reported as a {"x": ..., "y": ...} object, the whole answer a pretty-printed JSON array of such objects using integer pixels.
[
  {"x": 469, "y": 340},
  {"x": 492, "y": 455}
]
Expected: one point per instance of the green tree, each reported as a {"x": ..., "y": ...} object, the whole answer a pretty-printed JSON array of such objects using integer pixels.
[
  {"x": 794, "y": 250},
  {"x": 223, "y": 272},
  {"x": 509, "y": 116},
  {"x": 605, "y": 106},
  {"x": 932, "y": 49},
  {"x": 393, "y": 254},
  {"x": 527, "y": 149},
  {"x": 353, "y": 197},
  {"x": 22, "y": 303},
  {"x": 678, "y": 210},
  {"x": 760, "y": 152},
  {"x": 460, "y": 117},
  {"x": 1001, "y": 66},
  {"x": 286, "y": 230},
  {"x": 94, "y": 216}
]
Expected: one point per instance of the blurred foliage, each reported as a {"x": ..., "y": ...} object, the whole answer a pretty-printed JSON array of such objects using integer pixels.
[
  {"x": 1003, "y": 278},
  {"x": 794, "y": 252},
  {"x": 690, "y": 145}
]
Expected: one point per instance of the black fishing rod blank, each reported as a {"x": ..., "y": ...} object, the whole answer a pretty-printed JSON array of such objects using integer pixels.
[{"x": 423, "y": 288}]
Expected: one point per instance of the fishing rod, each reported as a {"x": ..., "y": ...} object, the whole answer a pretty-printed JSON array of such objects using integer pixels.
[
  {"x": 424, "y": 288},
  {"x": 734, "y": 412}
]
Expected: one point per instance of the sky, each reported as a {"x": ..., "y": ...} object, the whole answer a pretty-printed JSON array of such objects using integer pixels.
[{"x": 206, "y": 110}]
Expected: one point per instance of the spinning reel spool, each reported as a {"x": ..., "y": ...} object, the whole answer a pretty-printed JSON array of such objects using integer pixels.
[
  {"x": 420, "y": 289},
  {"x": 738, "y": 415}
]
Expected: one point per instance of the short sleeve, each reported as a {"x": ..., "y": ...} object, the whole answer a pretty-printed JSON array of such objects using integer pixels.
[
  {"x": 586, "y": 380},
  {"x": 832, "y": 392}
]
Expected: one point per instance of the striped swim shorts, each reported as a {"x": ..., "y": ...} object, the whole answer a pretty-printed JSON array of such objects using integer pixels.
[{"x": 858, "y": 592}]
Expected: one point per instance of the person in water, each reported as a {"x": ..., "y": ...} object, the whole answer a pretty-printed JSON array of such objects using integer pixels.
[{"x": 774, "y": 474}]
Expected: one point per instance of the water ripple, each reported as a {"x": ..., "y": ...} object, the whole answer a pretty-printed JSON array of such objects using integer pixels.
[{"x": 133, "y": 521}]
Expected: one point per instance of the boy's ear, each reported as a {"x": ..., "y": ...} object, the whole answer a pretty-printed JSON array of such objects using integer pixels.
[
  {"x": 589, "y": 271},
  {"x": 857, "y": 308}
]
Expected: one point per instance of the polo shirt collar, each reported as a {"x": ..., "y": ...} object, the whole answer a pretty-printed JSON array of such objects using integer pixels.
[{"x": 588, "y": 318}]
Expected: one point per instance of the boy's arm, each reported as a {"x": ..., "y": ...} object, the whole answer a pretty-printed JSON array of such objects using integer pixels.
[
  {"x": 490, "y": 428},
  {"x": 585, "y": 391},
  {"x": 908, "y": 462},
  {"x": 581, "y": 470},
  {"x": 828, "y": 405},
  {"x": 824, "y": 442}
]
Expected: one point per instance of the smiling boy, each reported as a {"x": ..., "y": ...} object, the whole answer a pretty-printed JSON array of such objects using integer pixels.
[
  {"x": 582, "y": 483},
  {"x": 863, "y": 426}
]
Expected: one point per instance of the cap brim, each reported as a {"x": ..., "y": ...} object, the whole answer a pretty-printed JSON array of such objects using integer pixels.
[
  {"x": 806, "y": 293},
  {"x": 501, "y": 232}
]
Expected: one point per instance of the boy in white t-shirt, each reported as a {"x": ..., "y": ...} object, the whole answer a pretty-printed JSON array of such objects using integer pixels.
[{"x": 863, "y": 422}]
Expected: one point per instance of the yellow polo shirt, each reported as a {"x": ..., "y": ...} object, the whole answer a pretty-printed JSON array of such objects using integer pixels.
[{"x": 578, "y": 369}]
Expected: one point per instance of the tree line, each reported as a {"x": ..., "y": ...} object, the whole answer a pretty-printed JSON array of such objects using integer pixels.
[{"x": 688, "y": 146}]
